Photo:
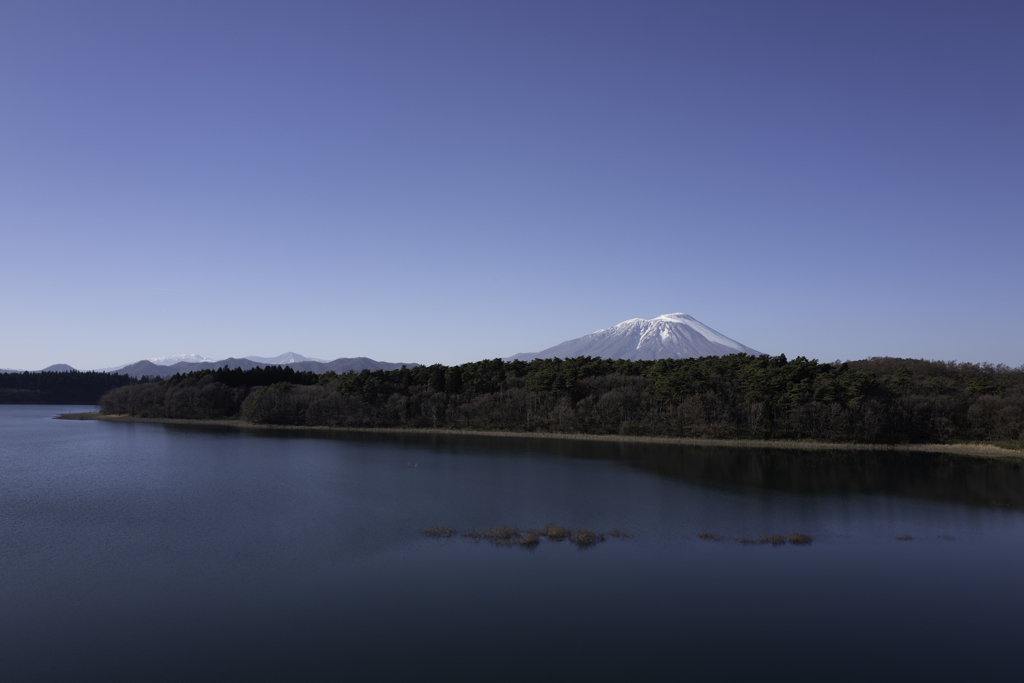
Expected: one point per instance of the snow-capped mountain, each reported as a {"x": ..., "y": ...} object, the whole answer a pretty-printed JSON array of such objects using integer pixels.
[
  {"x": 668, "y": 336},
  {"x": 181, "y": 358},
  {"x": 284, "y": 359}
]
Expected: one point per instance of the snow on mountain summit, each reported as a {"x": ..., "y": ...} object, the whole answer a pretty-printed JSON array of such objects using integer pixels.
[
  {"x": 284, "y": 359},
  {"x": 181, "y": 358},
  {"x": 674, "y": 335}
]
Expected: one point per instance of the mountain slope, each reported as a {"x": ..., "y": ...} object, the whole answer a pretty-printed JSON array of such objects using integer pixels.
[{"x": 668, "y": 336}]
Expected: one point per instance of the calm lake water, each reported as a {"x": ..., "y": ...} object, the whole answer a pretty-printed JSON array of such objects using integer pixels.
[{"x": 145, "y": 552}]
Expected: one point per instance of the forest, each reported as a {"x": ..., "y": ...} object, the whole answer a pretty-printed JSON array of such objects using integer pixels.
[
  {"x": 877, "y": 400},
  {"x": 66, "y": 388}
]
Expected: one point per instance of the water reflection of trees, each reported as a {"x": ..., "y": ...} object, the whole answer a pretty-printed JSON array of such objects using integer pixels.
[{"x": 933, "y": 476}]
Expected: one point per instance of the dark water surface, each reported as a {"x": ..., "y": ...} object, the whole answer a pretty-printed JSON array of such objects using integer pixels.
[{"x": 145, "y": 552}]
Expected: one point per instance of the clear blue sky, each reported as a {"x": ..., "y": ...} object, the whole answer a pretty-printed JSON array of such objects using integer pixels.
[{"x": 445, "y": 182}]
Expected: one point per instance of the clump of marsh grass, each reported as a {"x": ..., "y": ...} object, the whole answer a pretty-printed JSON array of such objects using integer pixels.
[
  {"x": 502, "y": 535},
  {"x": 505, "y": 535},
  {"x": 439, "y": 532},
  {"x": 708, "y": 536},
  {"x": 947, "y": 537},
  {"x": 774, "y": 539},
  {"x": 584, "y": 538},
  {"x": 509, "y": 535},
  {"x": 905, "y": 537},
  {"x": 555, "y": 533},
  {"x": 528, "y": 539}
]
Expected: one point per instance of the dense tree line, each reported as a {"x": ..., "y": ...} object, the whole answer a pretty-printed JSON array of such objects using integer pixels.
[
  {"x": 878, "y": 400},
  {"x": 67, "y": 388}
]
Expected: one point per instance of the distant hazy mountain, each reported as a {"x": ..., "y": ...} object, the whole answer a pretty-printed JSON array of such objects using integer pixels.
[
  {"x": 147, "y": 368},
  {"x": 668, "y": 336},
  {"x": 289, "y": 358},
  {"x": 285, "y": 359},
  {"x": 59, "y": 367}
]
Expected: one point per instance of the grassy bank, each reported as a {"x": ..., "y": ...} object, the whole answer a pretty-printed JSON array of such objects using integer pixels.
[{"x": 983, "y": 450}]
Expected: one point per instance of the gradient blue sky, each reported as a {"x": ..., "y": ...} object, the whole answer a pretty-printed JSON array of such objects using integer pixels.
[{"x": 445, "y": 182}]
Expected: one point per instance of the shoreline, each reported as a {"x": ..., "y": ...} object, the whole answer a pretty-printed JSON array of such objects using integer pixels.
[{"x": 967, "y": 449}]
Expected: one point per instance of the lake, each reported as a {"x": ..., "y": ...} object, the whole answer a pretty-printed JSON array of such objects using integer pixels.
[{"x": 151, "y": 552}]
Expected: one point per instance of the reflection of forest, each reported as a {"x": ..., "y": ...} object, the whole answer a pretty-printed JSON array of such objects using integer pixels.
[
  {"x": 880, "y": 400},
  {"x": 932, "y": 476},
  {"x": 922, "y": 475}
]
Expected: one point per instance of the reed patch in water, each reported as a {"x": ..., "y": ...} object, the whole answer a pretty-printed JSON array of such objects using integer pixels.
[
  {"x": 774, "y": 539},
  {"x": 584, "y": 538},
  {"x": 509, "y": 534},
  {"x": 503, "y": 535},
  {"x": 553, "y": 532},
  {"x": 529, "y": 539}
]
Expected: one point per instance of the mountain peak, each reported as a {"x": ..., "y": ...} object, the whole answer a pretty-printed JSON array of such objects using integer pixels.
[
  {"x": 59, "y": 367},
  {"x": 673, "y": 335}
]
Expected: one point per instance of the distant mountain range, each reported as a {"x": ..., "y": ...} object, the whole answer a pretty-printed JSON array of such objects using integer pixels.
[
  {"x": 179, "y": 358},
  {"x": 59, "y": 367},
  {"x": 145, "y": 368},
  {"x": 289, "y": 358},
  {"x": 674, "y": 335},
  {"x": 283, "y": 359},
  {"x": 168, "y": 366}
]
